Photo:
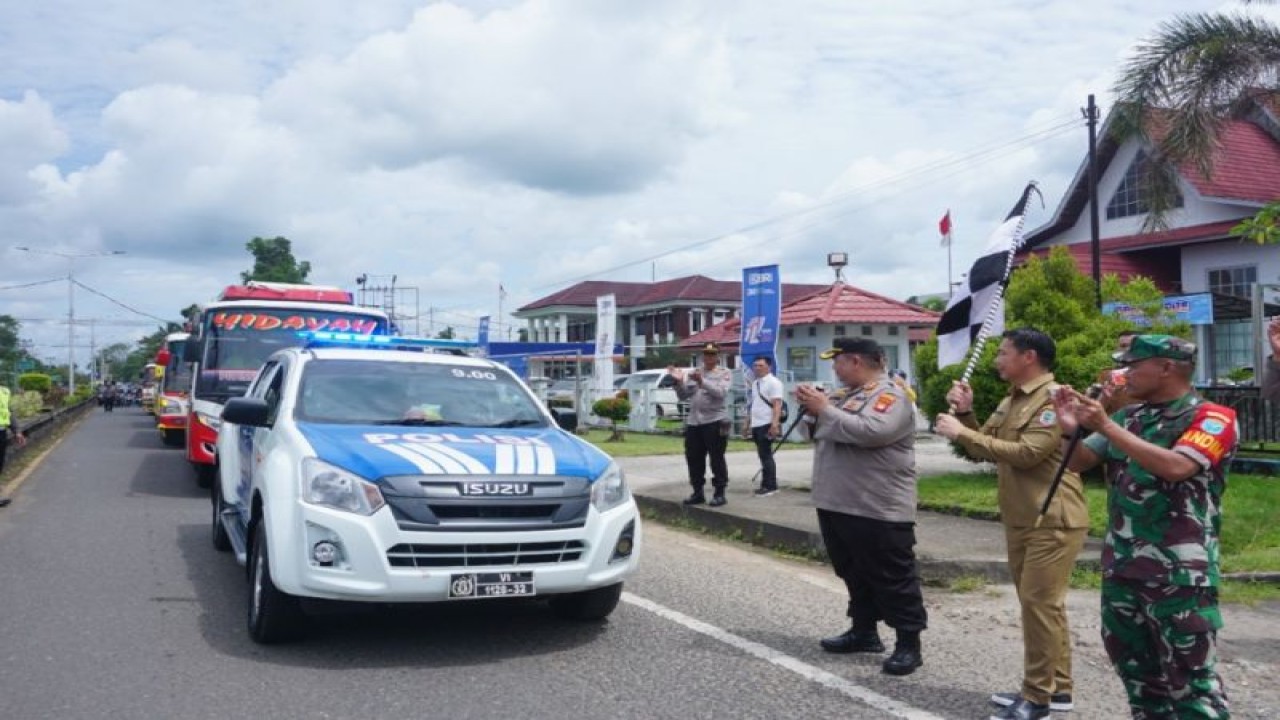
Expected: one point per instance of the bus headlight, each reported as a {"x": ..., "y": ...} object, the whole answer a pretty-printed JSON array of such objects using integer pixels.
[
  {"x": 329, "y": 486},
  {"x": 212, "y": 421},
  {"x": 610, "y": 489}
]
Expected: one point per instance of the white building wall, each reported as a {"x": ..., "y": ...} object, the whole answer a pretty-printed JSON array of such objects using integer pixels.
[
  {"x": 1198, "y": 260},
  {"x": 824, "y": 337}
]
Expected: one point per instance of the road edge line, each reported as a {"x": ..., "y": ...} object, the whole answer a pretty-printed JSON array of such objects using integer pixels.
[
  {"x": 809, "y": 672},
  {"x": 16, "y": 484}
]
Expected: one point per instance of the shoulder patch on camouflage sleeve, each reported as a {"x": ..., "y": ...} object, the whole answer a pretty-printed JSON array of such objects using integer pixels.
[{"x": 1047, "y": 417}]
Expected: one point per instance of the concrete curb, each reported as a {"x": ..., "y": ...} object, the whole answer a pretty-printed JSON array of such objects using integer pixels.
[{"x": 775, "y": 536}]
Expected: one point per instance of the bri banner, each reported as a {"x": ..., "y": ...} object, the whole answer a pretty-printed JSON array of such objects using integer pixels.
[{"x": 761, "y": 312}]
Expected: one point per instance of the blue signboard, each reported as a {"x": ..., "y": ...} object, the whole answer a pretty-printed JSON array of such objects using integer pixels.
[
  {"x": 1192, "y": 309},
  {"x": 483, "y": 336},
  {"x": 761, "y": 312}
]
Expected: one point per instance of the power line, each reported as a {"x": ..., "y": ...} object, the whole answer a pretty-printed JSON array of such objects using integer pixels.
[
  {"x": 989, "y": 151},
  {"x": 117, "y": 302},
  {"x": 31, "y": 284}
]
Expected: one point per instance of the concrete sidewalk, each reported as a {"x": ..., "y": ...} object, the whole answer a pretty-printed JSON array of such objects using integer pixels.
[{"x": 948, "y": 546}]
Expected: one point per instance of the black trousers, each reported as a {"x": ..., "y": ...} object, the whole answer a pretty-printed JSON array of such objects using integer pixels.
[
  {"x": 4, "y": 446},
  {"x": 764, "y": 449},
  {"x": 701, "y": 441},
  {"x": 877, "y": 561}
]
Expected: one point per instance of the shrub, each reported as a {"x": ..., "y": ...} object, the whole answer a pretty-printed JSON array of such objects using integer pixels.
[
  {"x": 38, "y": 382},
  {"x": 615, "y": 410},
  {"x": 27, "y": 403}
]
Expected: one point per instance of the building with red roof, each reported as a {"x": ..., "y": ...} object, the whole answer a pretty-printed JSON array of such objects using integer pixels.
[
  {"x": 650, "y": 315},
  {"x": 811, "y": 323},
  {"x": 1197, "y": 253}
]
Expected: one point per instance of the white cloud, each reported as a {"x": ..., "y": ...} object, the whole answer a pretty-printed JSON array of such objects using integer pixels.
[{"x": 30, "y": 137}]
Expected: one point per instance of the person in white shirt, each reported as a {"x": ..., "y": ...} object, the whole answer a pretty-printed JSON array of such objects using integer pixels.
[{"x": 764, "y": 421}]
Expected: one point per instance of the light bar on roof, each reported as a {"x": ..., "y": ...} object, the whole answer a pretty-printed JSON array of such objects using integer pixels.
[{"x": 327, "y": 338}]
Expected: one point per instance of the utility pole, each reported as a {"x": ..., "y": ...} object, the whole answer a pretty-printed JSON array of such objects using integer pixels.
[{"x": 1095, "y": 244}]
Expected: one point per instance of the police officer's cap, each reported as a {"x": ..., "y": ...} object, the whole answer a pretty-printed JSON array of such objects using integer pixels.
[
  {"x": 861, "y": 346},
  {"x": 711, "y": 349}
]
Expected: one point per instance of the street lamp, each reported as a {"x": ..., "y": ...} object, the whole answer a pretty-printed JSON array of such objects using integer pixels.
[{"x": 71, "y": 303}]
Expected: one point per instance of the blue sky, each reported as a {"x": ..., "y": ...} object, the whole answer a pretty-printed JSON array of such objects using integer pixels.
[{"x": 459, "y": 146}]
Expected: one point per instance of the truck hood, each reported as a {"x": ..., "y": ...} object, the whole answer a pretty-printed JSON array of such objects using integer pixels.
[{"x": 377, "y": 451}]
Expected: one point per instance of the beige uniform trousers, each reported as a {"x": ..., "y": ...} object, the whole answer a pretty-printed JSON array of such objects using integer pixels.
[{"x": 1041, "y": 561}]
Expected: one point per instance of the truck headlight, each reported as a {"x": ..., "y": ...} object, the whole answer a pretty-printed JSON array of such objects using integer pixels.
[
  {"x": 610, "y": 489},
  {"x": 212, "y": 421},
  {"x": 330, "y": 486}
]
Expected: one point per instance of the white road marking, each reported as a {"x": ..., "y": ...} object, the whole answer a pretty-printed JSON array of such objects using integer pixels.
[{"x": 803, "y": 669}]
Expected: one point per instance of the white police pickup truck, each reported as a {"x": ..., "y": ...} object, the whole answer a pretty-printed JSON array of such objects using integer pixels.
[{"x": 367, "y": 469}]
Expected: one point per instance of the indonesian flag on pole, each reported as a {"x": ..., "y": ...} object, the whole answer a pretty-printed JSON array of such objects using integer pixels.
[
  {"x": 944, "y": 227},
  {"x": 972, "y": 305}
]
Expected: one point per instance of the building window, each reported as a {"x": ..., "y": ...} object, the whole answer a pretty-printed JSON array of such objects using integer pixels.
[
  {"x": 866, "y": 330},
  {"x": 789, "y": 333},
  {"x": 802, "y": 363},
  {"x": 838, "y": 331},
  {"x": 891, "y": 359},
  {"x": 1132, "y": 197},
  {"x": 813, "y": 331},
  {"x": 1236, "y": 281},
  {"x": 696, "y": 321},
  {"x": 1232, "y": 341},
  {"x": 893, "y": 330}
]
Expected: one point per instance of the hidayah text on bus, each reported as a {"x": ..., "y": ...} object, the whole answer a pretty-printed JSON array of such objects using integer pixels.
[{"x": 269, "y": 321}]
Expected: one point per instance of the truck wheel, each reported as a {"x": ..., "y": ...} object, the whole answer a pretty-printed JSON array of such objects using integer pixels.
[
  {"x": 587, "y": 605},
  {"x": 221, "y": 541},
  {"x": 274, "y": 616},
  {"x": 206, "y": 475},
  {"x": 173, "y": 438}
]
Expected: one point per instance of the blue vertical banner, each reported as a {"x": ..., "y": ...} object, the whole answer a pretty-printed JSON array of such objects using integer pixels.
[
  {"x": 483, "y": 335},
  {"x": 761, "y": 312}
]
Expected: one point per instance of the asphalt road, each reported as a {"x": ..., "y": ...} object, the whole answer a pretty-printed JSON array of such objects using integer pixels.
[{"x": 114, "y": 604}]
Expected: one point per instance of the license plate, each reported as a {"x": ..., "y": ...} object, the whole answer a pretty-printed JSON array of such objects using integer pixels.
[{"x": 471, "y": 586}]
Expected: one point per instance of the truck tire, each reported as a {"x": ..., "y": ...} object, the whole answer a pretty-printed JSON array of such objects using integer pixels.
[
  {"x": 587, "y": 605},
  {"x": 221, "y": 541},
  {"x": 274, "y": 616}
]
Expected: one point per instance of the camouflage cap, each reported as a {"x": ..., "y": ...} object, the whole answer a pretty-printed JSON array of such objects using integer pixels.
[{"x": 1157, "y": 346}]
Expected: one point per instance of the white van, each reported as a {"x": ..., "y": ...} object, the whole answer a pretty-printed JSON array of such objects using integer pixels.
[{"x": 661, "y": 390}]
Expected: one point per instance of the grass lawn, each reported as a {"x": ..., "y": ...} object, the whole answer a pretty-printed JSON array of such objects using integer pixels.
[
  {"x": 645, "y": 444},
  {"x": 1250, "y": 534}
]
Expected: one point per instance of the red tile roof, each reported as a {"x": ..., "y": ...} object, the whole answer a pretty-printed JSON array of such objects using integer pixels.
[
  {"x": 1246, "y": 165},
  {"x": 693, "y": 288},
  {"x": 833, "y": 305}
]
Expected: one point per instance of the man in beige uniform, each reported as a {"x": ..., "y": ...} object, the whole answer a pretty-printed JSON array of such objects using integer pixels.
[{"x": 1023, "y": 439}]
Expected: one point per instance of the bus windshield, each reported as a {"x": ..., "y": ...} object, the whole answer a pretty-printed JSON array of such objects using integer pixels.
[
  {"x": 238, "y": 340},
  {"x": 177, "y": 374}
]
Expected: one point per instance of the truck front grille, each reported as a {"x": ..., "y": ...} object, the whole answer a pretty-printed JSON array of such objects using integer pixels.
[{"x": 484, "y": 554}]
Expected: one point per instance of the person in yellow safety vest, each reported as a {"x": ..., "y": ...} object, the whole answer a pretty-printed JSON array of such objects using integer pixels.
[{"x": 8, "y": 424}]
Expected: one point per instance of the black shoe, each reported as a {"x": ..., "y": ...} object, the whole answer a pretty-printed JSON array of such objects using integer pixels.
[
  {"x": 853, "y": 642},
  {"x": 903, "y": 661},
  {"x": 697, "y": 498},
  {"x": 717, "y": 499},
  {"x": 1022, "y": 709},
  {"x": 1058, "y": 702},
  {"x": 4, "y": 502},
  {"x": 765, "y": 491}
]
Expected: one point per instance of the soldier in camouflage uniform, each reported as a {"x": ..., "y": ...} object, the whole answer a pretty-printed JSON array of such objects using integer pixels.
[{"x": 1166, "y": 460}]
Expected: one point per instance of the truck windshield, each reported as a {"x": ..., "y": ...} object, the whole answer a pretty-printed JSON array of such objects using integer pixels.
[
  {"x": 388, "y": 392},
  {"x": 237, "y": 341}
]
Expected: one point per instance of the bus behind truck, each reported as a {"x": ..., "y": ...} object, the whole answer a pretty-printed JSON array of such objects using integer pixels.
[
  {"x": 240, "y": 329},
  {"x": 173, "y": 386}
]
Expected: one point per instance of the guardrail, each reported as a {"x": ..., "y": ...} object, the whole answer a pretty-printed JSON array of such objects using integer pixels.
[{"x": 38, "y": 427}]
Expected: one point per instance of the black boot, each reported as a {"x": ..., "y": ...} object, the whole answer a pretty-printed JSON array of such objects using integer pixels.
[
  {"x": 717, "y": 498},
  {"x": 697, "y": 498},
  {"x": 853, "y": 641},
  {"x": 906, "y": 654}
]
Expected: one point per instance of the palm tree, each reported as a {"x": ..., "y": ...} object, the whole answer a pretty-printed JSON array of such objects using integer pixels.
[{"x": 1180, "y": 84}]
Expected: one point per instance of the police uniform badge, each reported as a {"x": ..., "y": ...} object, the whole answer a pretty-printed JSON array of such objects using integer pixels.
[{"x": 884, "y": 402}]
